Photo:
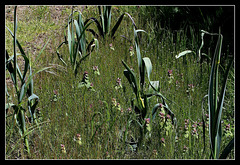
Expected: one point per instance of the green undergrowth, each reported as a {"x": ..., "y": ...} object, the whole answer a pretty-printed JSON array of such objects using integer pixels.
[{"x": 66, "y": 110}]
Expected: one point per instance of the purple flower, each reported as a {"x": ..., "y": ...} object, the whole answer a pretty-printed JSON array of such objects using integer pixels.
[
  {"x": 91, "y": 85},
  {"x": 185, "y": 148},
  {"x": 131, "y": 48},
  {"x": 162, "y": 140},
  {"x": 78, "y": 136},
  {"x": 147, "y": 120},
  {"x": 160, "y": 105},
  {"x": 63, "y": 149},
  {"x": 114, "y": 102},
  {"x": 190, "y": 85},
  {"x": 227, "y": 127},
  {"x": 168, "y": 116},
  {"x": 200, "y": 123},
  {"x": 55, "y": 92},
  {"x": 194, "y": 132},
  {"x": 85, "y": 73},
  {"x": 118, "y": 81},
  {"x": 162, "y": 114},
  {"x": 95, "y": 68},
  {"x": 129, "y": 109},
  {"x": 169, "y": 73},
  {"x": 207, "y": 115},
  {"x": 194, "y": 126},
  {"x": 90, "y": 106}
]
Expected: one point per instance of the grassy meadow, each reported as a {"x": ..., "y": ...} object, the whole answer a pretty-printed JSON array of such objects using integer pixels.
[{"x": 96, "y": 122}]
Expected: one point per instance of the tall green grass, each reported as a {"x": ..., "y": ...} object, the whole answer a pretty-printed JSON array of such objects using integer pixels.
[{"x": 69, "y": 111}]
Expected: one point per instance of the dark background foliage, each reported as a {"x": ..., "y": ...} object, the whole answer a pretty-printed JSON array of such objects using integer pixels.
[{"x": 208, "y": 18}]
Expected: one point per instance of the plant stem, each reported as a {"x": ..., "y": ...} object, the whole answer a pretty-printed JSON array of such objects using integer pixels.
[
  {"x": 14, "y": 48},
  {"x": 23, "y": 128}
]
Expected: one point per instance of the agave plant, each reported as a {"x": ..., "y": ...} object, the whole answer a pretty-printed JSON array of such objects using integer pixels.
[
  {"x": 79, "y": 48},
  {"x": 142, "y": 95},
  {"x": 23, "y": 83},
  {"x": 104, "y": 24},
  {"x": 215, "y": 103}
]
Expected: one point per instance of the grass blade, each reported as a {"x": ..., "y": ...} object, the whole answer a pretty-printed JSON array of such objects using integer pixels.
[
  {"x": 183, "y": 53},
  {"x": 34, "y": 63}
]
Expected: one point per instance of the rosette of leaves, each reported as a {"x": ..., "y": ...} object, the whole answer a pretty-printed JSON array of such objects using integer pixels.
[
  {"x": 103, "y": 25},
  {"x": 142, "y": 95},
  {"x": 79, "y": 47}
]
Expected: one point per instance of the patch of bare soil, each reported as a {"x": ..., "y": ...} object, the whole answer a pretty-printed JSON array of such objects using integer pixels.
[{"x": 34, "y": 46}]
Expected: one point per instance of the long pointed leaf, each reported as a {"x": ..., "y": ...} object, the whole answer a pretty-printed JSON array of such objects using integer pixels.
[
  {"x": 14, "y": 47},
  {"x": 32, "y": 107},
  {"x": 148, "y": 64},
  {"x": 59, "y": 56},
  {"x": 130, "y": 75},
  {"x": 70, "y": 44},
  {"x": 227, "y": 149},
  {"x": 117, "y": 25},
  {"x": 211, "y": 106},
  {"x": 99, "y": 27},
  {"x": 221, "y": 98},
  {"x": 10, "y": 68}
]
